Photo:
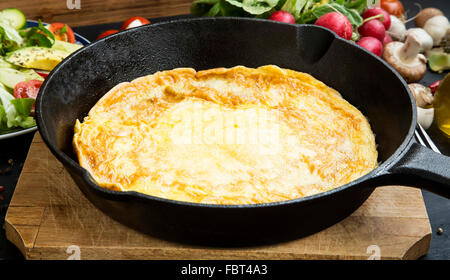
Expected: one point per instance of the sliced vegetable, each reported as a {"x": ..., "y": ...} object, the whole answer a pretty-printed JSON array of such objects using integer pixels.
[
  {"x": 10, "y": 77},
  {"x": 31, "y": 74},
  {"x": 439, "y": 62},
  {"x": 62, "y": 32},
  {"x": 37, "y": 58},
  {"x": 107, "y": 33},
  {"x": 66, "y": 46},
  {"x": 27, "y": 89},
  {"x": 43, "y": 74},
  {"x": 15, "y": 17},
  {"x": 134, "y": 22},
  {"x": 5, "y": 64}
]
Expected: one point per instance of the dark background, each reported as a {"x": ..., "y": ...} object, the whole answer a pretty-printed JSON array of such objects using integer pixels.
[{"x": 16, "y": 149}]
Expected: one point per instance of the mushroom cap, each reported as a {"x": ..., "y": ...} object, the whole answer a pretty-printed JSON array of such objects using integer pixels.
[
  {"x": 412, "y": 70},
  {"x": 425, "y": 15},
  {"x": 422, "y": 94}
]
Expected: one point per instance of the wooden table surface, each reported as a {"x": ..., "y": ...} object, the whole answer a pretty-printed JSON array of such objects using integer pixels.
[{"x": 96, "y": 11}]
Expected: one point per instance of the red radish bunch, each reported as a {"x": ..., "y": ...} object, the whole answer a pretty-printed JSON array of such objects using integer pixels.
[
  {"x": 387, "y": 39},
  {"x": 338, "y": 23},
  {"x": 371, "y": 44},
  {"x": 373, "y": 30},
  {"x": 386, "y": 19},
  {"x": 282, "y": 16}
]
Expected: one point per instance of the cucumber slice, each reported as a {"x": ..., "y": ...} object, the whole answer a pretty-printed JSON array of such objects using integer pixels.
[
  {"x": 31, "y": 74},
  {"x": 6, "y": 64},
  {"x": 10, "y": 77},
  {"x": 15, "y": 17}
]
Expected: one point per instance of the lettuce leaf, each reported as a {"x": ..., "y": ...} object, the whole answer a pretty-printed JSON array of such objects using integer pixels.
[{"x": 15, "y": 112}]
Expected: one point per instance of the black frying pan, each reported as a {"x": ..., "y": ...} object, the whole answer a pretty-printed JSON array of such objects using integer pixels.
[{"x": 364, "y": 80}]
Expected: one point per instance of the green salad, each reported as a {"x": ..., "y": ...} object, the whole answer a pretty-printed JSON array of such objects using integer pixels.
[{"x": 27, "y": 54}]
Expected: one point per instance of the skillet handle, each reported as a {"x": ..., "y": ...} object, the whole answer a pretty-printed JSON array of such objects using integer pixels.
[{"x": 423, "y": 168}]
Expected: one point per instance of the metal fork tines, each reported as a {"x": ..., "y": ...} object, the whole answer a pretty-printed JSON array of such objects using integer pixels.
[{"x": 424, "y": 139}]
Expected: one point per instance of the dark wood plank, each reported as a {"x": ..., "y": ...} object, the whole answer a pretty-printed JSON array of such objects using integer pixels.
[{"x": 97, "y": 11}]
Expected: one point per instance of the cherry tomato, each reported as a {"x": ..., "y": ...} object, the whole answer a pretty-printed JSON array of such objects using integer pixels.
[
  {"x": 62, "y": 32},
  {"x": 27, "y": 89},
  {"x": 43, "y": 74},
  {"x": 393, "y": 7},
  {"x": 134, "y": 22},
  {"x": 107, "y": 33}
]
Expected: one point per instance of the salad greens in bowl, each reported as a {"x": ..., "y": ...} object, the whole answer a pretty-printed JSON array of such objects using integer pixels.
[{"x": 28, "y": 51}]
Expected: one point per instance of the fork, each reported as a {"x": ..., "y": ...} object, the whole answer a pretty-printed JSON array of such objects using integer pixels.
[{"x": 424, "y": 139}]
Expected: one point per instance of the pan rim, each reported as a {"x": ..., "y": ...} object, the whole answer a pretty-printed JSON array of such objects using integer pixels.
[{"x": 130, "y": 195}]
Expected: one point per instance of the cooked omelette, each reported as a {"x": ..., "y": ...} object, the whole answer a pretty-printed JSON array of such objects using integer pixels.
[{"x": 225, "y": 136}]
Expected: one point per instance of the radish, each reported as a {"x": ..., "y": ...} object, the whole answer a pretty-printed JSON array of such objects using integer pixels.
[
  {"x": 387, "y": 39},
  {"x": 338, "y": 23},
  {"x": 377, "y": 11},
  {"x": 282, "y": 16},
  {"x": 373, "y": 28},
  {"x": 371, "y": 44}
]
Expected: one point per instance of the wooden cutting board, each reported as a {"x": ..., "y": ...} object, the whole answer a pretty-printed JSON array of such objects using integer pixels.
[{"x": 49, "y": 218}]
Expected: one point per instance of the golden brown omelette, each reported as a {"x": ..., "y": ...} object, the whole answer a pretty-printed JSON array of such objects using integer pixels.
[{"x": 225, "y": 136}]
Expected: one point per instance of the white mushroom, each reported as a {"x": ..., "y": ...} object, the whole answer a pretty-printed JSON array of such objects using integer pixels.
[
  {"x": 397, "y": 31},
  {"x": 426, "y": 42},
  {"x": 425, "y": 117},
  {"x": 406, "y": 59},
  {"x": 423, "y": 16},
  {"x": 422, "y": 95},
  {"x": 437, "y": 28}
]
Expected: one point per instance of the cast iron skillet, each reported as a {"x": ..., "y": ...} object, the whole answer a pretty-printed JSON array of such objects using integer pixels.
[{"x": 76, "y": 84}]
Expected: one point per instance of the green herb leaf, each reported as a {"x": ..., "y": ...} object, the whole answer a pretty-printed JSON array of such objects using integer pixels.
[
  {"x": 254, "y": 7},
  {"x": 294, "y": 7},
  {"x": 63, "y": 30},
  {"x": 215, "y": 10},
  {"x": 39, "y": 36},
  {"x": 352, "y": 15},
  {"x": 358, "y": 5},
  {"x": 202, "y": 7}
]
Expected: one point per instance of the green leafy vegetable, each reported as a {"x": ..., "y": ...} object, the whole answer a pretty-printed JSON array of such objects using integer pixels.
[
  {"x": 232, "y": 7},
  {"x": 10, "y": 39},
  {"x": 304, "y": 11},
  {"x": 294, "y": 7},
  {"x": 352, "y": 15},
  {"x": 63, "y": 30},
  {"x": 14, "y": 112},
  {"x": 39, "y": 36}
]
